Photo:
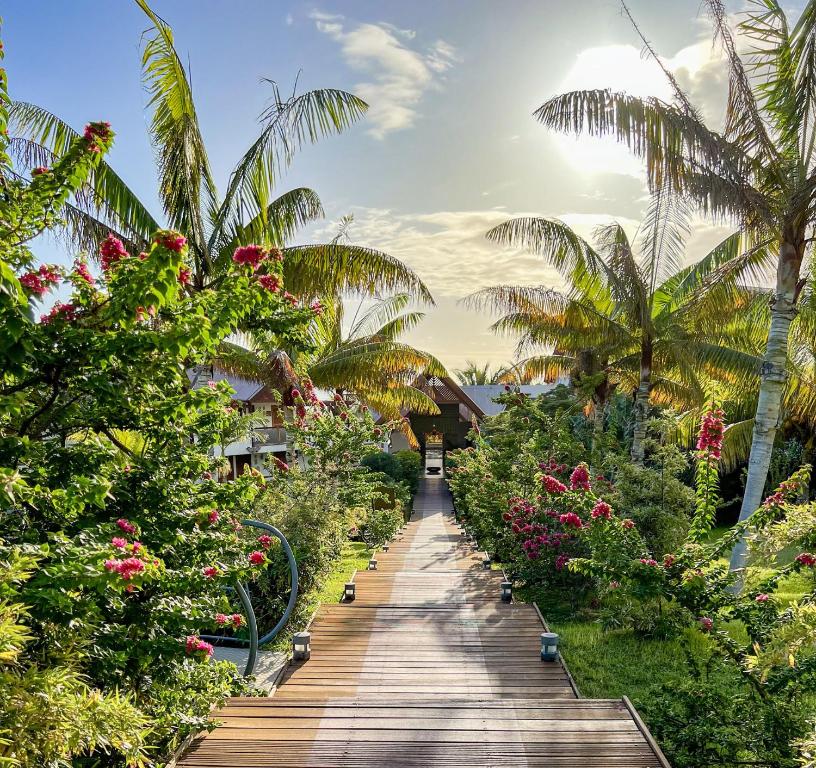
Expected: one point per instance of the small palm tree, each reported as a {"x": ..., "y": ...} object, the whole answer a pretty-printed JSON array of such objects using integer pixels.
[
  {"x": 632, "y": 317},
  {"x": 367, "y": 360},
  {"x": 760, "y": 170},
  {"x": 249, "y": 212},
  {"x": 475, "y": 374}
]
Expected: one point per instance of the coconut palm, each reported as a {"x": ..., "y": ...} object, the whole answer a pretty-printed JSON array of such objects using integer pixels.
[
  {"x": 760, "y": 169},
  {"x": 368, "y": 360},
  {"x": 632, "y": 318},
  {"x": 250, "y": 211},
  {"x": 475, "y": 374}
]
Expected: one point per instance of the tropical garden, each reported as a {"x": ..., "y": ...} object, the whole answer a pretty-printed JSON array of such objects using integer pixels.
[{"x": 655, "y": 502}]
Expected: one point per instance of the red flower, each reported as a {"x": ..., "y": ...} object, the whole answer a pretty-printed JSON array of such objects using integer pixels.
[
  {"x": 221, "y": 619},
  {"x": 172, "y": 241},
  {"x": 561, "y": 561},
  {"x": 706, "y": 624},
  {"x": 553, "y": 484},
  {"x": 112, "y": 250},
  {"x": 39, "y": 170},
  {"x": 807, "y": 559},
  {"x": 668, "y": 561},
  {"x": 316, "y": 307},
  {"x": 579, "y": 479},
  {"x": 710, "y": 438},
  {"x": 763, "y": 598},
  {"x": 257, "y": 558},
  {"x": 209, "y": 571},
  {"x": 571, "y": 519},
  {"x": 184, "y": 276},
  {"x": 270, "y": 283},
  {"x": 94, "y": 131},
  {"x": 212, "y": 516},
  {"x": 601, "y": 509},
  {"x": 130, "y": 567},
  {"x": 628, "y": 524},
  {"x": 82, "y": 272},
  {"x": 265, "y": 540},
  {"x": 249, "y": 254},
  {"x": 195, "y": 644},
  {"x": 651, "y": 562},
  {"x": 40, "y": 281},
  {"x": 281, "y": 466},
  {"x": 237, "y": 620},
  {"x": 126, "y": 525},
  {"x": 118, "y": 542},
  {"x": 66, "y": 312}
]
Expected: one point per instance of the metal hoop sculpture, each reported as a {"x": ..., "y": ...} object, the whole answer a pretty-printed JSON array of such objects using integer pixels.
[{"x": 246, "y": 603}]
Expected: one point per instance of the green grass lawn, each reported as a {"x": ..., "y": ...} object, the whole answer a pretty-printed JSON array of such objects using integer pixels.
[{"x": 355, "y": 557}]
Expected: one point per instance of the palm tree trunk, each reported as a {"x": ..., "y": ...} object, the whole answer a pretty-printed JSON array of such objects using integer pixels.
[
  {"x": 642, "y": 402},
  {"x": 771, "y": 389}
]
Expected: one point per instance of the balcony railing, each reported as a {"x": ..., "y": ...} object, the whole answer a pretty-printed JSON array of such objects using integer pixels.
[{"x": 268, "y": 436}]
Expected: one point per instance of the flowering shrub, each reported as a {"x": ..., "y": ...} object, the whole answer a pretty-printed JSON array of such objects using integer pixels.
[{"x": 127, "y": 540}]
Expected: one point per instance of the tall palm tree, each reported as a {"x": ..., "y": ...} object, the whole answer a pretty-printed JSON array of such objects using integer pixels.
[
  {"x": 367, "y": 360},
  {"x": 250, "y": 211},
  {"x": 760, "y": 170},
  {"x": 475, "y": 374},
  {"x": 631, "y": 318}
]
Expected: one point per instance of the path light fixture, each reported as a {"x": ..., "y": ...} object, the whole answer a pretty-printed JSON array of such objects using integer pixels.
[
  {"x": 302, "y": 646},
  {"x": 549, "y": 646},
  {"x": 372, "y": 564},
  {"x": 486, "y": 563},
  {"x": 385, "y": 547},
  {"x": 507, "y": 591},
  {"x": 349, "y": 591}
]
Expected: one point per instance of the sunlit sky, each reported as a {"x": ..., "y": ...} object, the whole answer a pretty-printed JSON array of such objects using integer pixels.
[{"x": 449, "y": 147}]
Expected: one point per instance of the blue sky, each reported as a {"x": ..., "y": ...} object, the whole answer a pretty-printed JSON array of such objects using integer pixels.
[{"x": 449, "y": 147}]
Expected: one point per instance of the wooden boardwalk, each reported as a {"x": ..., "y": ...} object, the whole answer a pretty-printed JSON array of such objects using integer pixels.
[{"x": 427, "y": 667}]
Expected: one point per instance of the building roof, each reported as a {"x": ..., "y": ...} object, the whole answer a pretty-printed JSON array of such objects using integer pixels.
[{"x": 482, "y": 395}]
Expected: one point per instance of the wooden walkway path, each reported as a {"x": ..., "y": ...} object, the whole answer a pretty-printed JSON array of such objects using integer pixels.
[{"x": 427, "y": 667}]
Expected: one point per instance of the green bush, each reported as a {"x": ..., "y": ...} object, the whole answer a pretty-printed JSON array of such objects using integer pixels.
[{"x": 410, "y": 469}]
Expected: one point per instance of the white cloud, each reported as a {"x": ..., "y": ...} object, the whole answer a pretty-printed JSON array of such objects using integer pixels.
[
  {"x": 397, "y": 74},
  {"x": 699, "y": 70}
]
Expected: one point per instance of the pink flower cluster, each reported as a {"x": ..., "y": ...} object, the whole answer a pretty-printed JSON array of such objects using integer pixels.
[
  {"x": 786, "y": 489},
  {"x": 94, "y": 131},
  {"x": 184, "y": 276},
  {"x": 650, "y": 561},
  {"x": 251, "y": 255},
  {"x": 553, "y": 484},
  {"x": 209, "y": 572},
  {"x": 112, "y": 251},
  {"x": 706, "y": 624},
  {"x": 257, "y": 558},
  {"x": 628, "y": 524},
  {"x": 127, "y": 568},
  {"x": 280, "y": 465},
  {"x": 316, "y": 307},
  {"x": 126, "y": 525},
  {"x": 806, "y": 559},
  {"x": 172, "y": 241},
  {"x": 270, "y": 283},
  {"x": 39, "y": 170},
  {"x": 601, "y": 510},
  {"x": 710, "y": 439},
  {"x": 579, "y": 479},
  {"x": 561, "y": 561},
  {"x": 763, "y": 598},
  {"x": 552, "y": 466},
  {"x": 60, "y": 311},
  {"x": 265, "y": 540},
  {"x": 221, "y": 619},
  {"x": 571, "y": 520},
  {"x": 82, "y": 272},
  {"x": 195, "y": 644},
  {"x": 40, "y": 282}
]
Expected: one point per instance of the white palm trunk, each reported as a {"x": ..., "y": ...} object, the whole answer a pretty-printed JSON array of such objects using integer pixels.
[
  {"x": 642, "y": 404},
  {"x": 771, "y": 390}
]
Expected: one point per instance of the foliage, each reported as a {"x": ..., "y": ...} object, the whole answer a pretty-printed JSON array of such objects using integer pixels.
[
  {"x": 106, "y": 502},
  {"x": 327, "y": 493},
  {"x": 403, "y": 467}
]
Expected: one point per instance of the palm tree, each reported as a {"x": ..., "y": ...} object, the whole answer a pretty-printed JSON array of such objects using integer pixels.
[
  {"x": 250, "y": 210},
  {"x": 632, "y": 318},
  {"x": 760, "y": 170},
  {"x": 368, "y": 361},
  {"x": 475, "y": 374}
]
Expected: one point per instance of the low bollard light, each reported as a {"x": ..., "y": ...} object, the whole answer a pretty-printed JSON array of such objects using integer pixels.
[
  {"x": 549, "y": 646},
  {"x": 349, "y": 591},
  {"x": 302, "y": 646},
  {"x": 385, "y": 547},
  {"x": 506, "y": 591},
  {"x": 372, "y": 564},
  {"x": 486, "y": 563}
]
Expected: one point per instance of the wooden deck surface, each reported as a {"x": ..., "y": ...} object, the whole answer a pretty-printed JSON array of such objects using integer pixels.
[{"x": 427, "y": 667}]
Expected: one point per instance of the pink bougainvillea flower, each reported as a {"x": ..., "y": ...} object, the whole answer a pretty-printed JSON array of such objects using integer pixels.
[
  {"x": 806, "y": 559},
  {"x": 290, "y": 298},
  {"x": 126, "y": 525},
  {"x": 118, "y": 542},
  {"x": 579, "y": 479},
  {"x": 276, "y": 254},
  {"x": 111, "y": 565},
  {"x": 601, "y": 510},
  {"x": 172, "y": 241},
  {"x": 316, "y": 307},
  {"x": 195, "y": 644},
  {"x": 668, "y": 561},
  {"x": 237, "y": 620},
  {"x": 39, "y": 170},
  {"x": 614, "y": 584},
  {"x": 628, "y": 524},
  {"x": 265, "y": 540},
  {"x": 221, "y": 619},
  {"x": 94, "y": 131},
  {"x": 66, "y": 312},
  {"x": 561, "y": 561},
  {"x": 706, "y": 624},
  {"x": 712, "y": 428},
  {"x": 553, "y": 484},
  {"x": 269, "y": 283},
  {"x": 570, "y": 519},
  {"x": 257, "y": 557},
  {"x": 209, "y": 571},
  {"x": 112, "y": 251},
  {"x": 280, "y": 465},
  {"x": 650, "y": 561},
  {"x": 130, "y": 567},
  {"x": 136, "y": 546},
  {"x": 212, "y": 516},
  {"x": 184, "y": 276},
  {"x": 82, "y": 272},
  {"x": 252, "y": 255},
  {"x": 763, "y": 598}
]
